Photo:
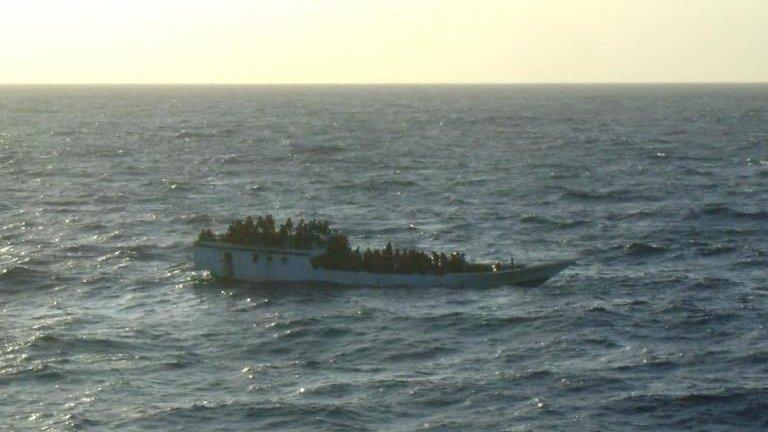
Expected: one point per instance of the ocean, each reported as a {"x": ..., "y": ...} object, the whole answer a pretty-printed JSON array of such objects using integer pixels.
[{"x": 658, "y": 191}]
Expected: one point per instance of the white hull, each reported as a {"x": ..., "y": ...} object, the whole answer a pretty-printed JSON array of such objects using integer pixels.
[{"x": 292, "y": 267}]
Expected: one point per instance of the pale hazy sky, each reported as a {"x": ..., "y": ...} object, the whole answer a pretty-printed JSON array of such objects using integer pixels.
[{"x": 378, "y": 41}]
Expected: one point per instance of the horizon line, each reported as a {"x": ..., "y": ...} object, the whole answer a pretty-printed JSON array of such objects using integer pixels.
[{"x": 501, "y": 83}]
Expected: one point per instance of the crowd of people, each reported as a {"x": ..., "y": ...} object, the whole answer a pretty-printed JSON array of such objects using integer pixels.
[
  {"x": 338, "y": 254},
  {"x": 263, "y": 231}
]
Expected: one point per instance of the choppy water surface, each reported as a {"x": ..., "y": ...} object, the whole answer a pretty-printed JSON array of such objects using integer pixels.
[{"x": 660, "y": 191}]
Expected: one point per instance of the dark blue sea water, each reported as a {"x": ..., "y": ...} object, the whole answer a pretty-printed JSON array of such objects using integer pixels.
[{"x": 660, "y": 191}]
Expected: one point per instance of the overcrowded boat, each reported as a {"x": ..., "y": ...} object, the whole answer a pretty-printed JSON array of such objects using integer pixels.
[{"x": 312, "y": 253}]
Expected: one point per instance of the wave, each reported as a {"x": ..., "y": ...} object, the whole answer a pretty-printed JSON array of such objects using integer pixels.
[
  {"x": 67, "y": 133},
  {"x": 318, "y": 150},
  {"x": 182, "y": 361},
  {"x": 232, "y": 159},
  {"x": 94, "y": 226},
  {"x": 279, "y": 326},
  {"x": 715, "y": 250},
  {"x": 375, "y": 185},
  {"x": 615, "y": 195},
  {"x": 74, "y": 344},
  {"x": 691, "y": 171},
  {"x": 180, "y": 185},
  {"x": 534, "y": 374},
  {"x": 755, "y": 358},
  {"x": 632, "y": 215},
  {"x": 580, "y": 194},
  {"x": 195, "y": 219},
  {"x": 713, "y": 324},
  {"x": 647, "y": 365},
  {"x": 418, "y": 351},
  {"x": 18, "y": 275},
  {"x": 622, "y": 141},
  {"x": 37, "y": 371},
  {"x": 478, "y": 182},
  {"x": 188, "y": 135},
  {"x": 262, "y": 415},
  {"x": 752, "y": 263},
  {"x": 296, "y": 331},
  {"x": 642, "y": 249},
  {"x": 712, "y": 283},
  {"x": 600, "y": 342},
  {"x": 110, "y": 198},
  {"x": 86, "y": 249},
  {"x": 559, "y": 175},
  {"x": 137, "y": 252},
  {"x": 588, "y": 383},
  {"x": 724, "y": 211},
  {"x": 540, "y": 220},
  {"x": 675, "y": 132},
  {"x": 67, "y": 202},
  {"x": 471, "y": 323},
  {"x": 745, "y": 407}
]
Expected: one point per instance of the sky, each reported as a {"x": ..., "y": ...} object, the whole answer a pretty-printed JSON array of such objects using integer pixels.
[{"x": 383, "y": 41}]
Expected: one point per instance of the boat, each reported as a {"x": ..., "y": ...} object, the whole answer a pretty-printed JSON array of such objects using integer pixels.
[{"x": 278, "y": 265}]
